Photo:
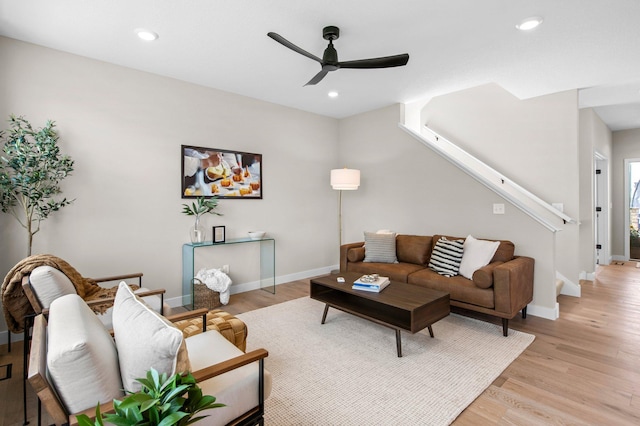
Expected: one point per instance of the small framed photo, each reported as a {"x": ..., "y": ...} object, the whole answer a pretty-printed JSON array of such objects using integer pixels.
[{"x": 218, "y": 234}]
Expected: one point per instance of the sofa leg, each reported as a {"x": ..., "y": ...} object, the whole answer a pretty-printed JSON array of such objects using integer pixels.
[
  {"x": 505, "y": 327},
  {"x": 524, "y": 312}
]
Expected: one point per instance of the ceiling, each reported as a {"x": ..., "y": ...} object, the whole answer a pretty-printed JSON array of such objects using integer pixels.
[{"x": 591, "y": 45}]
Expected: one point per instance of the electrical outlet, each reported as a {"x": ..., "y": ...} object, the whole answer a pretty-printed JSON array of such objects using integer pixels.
[
  {"x": 225, "y": 269},
  {"x": 498, "y": 209}
]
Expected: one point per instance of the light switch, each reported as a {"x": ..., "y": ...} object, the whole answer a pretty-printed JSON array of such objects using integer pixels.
[{"x": 498, "y": 209}]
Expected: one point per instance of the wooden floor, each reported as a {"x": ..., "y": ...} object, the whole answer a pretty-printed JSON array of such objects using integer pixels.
[{"x": 582, "y": 369}]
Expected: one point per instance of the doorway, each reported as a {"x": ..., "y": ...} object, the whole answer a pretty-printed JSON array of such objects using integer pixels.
[
  {"x": 632, "y": 217},
  {"x": 601, "y": 219}
]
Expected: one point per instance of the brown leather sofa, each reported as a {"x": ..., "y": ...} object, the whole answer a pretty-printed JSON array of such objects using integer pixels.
[{"x": 502, "y": 288}]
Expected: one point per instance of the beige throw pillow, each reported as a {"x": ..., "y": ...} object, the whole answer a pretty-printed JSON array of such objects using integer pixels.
[{"x": 145, "y": 339}]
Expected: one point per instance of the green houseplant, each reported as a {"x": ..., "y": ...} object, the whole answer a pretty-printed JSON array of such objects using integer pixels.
[
  {"x": 31, "y": 169},
  {"x": 201, "y": 206},
  {"x": 161, "y": 401}
]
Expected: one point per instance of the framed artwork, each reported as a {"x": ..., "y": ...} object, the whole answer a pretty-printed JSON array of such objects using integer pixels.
[
  {"x": 218, "y": 234},
  {"x": 222, "y": 173}
]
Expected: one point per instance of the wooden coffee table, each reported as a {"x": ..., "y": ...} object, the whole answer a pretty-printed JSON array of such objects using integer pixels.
[{"x": 399, "y": 306}]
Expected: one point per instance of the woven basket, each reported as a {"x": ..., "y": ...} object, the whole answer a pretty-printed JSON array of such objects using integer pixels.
[{"x": 204, "y": 297}]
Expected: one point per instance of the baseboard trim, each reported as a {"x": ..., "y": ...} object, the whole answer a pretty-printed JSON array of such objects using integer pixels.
[
  {"x": 542, "y": 312},
  {"x": 14, "y": 337},
  {"x": 175, "y": 302}
]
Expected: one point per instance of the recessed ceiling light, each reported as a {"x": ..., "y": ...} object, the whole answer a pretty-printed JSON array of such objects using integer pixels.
[
  {"x": 529, "y": 23},
  {"x": 146, "y": 35},
  {"x": 333, "y": 94}
]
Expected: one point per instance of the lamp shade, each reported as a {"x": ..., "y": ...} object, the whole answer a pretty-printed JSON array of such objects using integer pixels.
[{"x": 345, "y": 179}]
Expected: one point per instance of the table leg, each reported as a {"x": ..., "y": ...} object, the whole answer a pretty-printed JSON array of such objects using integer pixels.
[
  {"x": 430, "y": 331},
  {"x": 398, "y": 344},
  {"x": 324, "y": 316}
]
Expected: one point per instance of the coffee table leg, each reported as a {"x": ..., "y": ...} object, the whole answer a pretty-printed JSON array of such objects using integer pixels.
[
  {"x": 430, "y": 331},
  {"x": 324, "y": 316},
  {"x": 398, "y": 344}
]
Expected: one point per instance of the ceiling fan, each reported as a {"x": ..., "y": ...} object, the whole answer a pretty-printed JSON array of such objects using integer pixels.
[{"x": 329, "y": 61}]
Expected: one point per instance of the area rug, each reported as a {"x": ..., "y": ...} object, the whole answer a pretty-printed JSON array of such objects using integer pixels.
[{"x": 346, "y": 372}]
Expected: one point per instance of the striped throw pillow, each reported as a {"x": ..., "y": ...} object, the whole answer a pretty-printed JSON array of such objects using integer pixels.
[
  {"x": 446, "y": 257},
  {"x": 380, "y": 247}
]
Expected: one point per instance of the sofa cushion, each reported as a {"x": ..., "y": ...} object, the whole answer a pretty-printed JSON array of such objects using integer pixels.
[
  {"x": 145, "y": 339},
  {"x": 476, "y": 254},
  {"x": 49, "y": 283},
  {"x": 459, "y": 288},
  {"x": 380, "y": 247},
  {"x": 483, "y": 277},
  {"x": 355, "y": 254},
  {"x": 446, "y": 256},
  {"x": 413, "y": 249},
  {"x": 395, "y": 271},
  {"x": 81, "y": 357}
]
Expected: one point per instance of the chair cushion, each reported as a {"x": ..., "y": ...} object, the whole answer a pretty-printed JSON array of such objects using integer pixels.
[
  {"x": 81, "y": 355},
  {"x": 238, "y": 388},
  {"x": 49, "y": 283},
  {"x": 145, "y": 339}
]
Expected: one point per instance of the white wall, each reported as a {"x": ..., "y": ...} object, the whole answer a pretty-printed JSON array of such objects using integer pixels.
[
  {"x": 124, "y": 129},
  {"x": 626, "y": 145},
  {"x": 409, "y": 189},
  {"x": 534, "y": 142}
]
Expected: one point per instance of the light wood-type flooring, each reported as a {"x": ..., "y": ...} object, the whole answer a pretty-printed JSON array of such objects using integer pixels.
[{"x": 582, "y": 369}]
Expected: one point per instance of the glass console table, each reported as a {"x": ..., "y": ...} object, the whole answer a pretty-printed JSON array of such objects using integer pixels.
[{"x": 267, "y": 264}]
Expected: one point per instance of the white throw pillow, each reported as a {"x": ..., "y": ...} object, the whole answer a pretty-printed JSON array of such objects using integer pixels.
[
  {"x": 81, "y": 356},
  {"x": 145, "y": 339},
  {"x": 476, "y": 254},
  {"x": 49, "y": 283}
]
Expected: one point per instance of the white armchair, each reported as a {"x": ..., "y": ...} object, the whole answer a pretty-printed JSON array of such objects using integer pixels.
[{"x": 75, "y": 364}]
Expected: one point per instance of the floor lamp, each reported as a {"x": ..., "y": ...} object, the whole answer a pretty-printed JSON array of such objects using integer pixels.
[{"x": 344, "y": 180}]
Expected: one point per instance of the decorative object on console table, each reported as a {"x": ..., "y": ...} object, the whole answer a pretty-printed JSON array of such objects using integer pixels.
[
  {"x": 256, "y": 235},
  {"x": 203, "y": 206},
  {"x": 344, "y": 180},
  {"x": 218, "y": 234}
]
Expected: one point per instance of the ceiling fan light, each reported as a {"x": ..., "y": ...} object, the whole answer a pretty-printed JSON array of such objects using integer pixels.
[
  {"x": 529, "y": 23},
  {"x": 146, "y": 35},
  {"x": 332, "y": 94}
]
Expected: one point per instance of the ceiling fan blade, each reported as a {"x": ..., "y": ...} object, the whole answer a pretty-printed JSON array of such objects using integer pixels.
[
  {"x": 316, "y": 79},
  {"x": 383, "y": 62},
  {"x": 283, "y": 41}
]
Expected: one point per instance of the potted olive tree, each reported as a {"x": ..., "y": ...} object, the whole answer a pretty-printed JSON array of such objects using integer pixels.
[{"x": 31, "y": 169}]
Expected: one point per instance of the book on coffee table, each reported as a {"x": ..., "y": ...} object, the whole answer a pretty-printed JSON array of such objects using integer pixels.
[{"x": 375, "y": 286}]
